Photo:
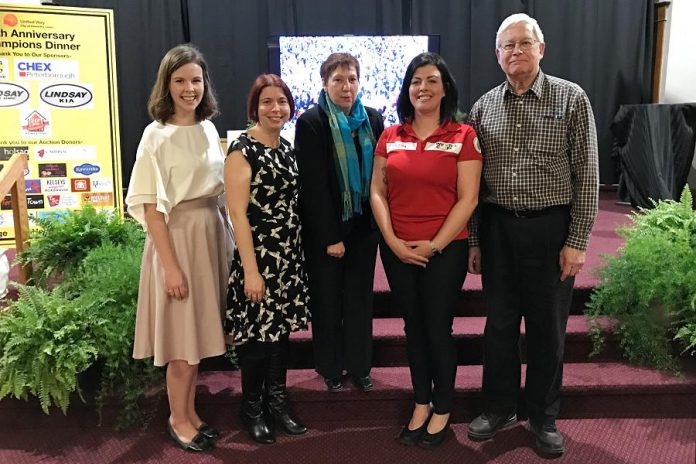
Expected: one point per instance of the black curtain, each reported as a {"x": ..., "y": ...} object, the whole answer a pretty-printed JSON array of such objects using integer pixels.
[{"x": 605, "y": 46}]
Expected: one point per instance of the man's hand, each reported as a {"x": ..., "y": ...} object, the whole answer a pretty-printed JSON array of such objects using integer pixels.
[
  {"x": 475, "y": 260},
  {"x": 571, "y": 262}
]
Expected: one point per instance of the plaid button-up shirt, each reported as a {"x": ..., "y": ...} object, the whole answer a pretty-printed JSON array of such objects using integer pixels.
[{"x": 540, "y": 150}]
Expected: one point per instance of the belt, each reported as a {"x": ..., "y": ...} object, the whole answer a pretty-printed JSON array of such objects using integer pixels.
[{"x": 529, "y": 213}]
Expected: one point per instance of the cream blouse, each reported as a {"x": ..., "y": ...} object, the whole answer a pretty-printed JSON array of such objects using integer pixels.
[{"x": 175, "y": 164}]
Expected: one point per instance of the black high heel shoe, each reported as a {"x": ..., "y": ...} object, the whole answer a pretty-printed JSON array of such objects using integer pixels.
[
  {"x": 433, "y": 440},
  {"x": 199, "y": 443}
]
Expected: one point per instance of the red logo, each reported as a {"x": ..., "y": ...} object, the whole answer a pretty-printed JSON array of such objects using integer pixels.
[
  {"x": 41, "y": 153},
  {"x": 53, "y": 200},
  {"x": 10, "y": 20},
  {"x": 78, "y": 184},
  {"x": 35, "y": 122}
]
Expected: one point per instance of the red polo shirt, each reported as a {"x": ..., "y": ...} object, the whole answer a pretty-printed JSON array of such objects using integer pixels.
[{"x": 422, "y": 176}]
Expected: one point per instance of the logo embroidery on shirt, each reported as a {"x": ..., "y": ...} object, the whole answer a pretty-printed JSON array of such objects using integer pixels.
[
  {"x": 393, "y": 146},
  {"x": 477, "y": 145},
  {"x": 443, "y": 146}
]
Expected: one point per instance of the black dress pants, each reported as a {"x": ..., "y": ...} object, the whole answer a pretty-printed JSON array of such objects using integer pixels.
[
  {"x": 341, "y": 298},
  {"x": 521, "y": 278},
  {"x": 427, "y": 296}
]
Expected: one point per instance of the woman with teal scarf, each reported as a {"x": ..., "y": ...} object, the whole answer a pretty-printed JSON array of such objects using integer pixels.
[{"x": 334, "y": 146}]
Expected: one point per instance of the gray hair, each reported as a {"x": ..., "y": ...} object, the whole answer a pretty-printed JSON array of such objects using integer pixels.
[{"x": 519, "y": 18}]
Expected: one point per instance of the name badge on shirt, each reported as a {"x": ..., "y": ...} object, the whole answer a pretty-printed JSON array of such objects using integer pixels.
[
  {"x": 392, "y": 146},
  {"x": 443, "y": 146}
]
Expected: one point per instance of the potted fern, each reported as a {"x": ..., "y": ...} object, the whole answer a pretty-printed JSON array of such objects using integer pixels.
[
  {"x": 649, "y": 287},
  {"x": 80, "y": 314}
]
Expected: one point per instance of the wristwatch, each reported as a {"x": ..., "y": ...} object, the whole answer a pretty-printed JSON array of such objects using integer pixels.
[{"x": 435, "y": 249}]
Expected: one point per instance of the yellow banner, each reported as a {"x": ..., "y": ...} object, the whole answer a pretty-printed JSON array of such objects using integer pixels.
[{"x": 59, "y": 105}]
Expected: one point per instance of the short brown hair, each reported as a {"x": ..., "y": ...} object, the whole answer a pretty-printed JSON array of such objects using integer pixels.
[
  {"x": 336, "y": 60},
  {"x": 260, "y": 83},
  {"x": 160, "y": 105}
]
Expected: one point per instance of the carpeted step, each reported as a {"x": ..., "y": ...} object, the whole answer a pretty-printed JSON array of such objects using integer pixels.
[
  {"x": 470, "y": 302},
  {"x": 591, "y": 390},
  {"x": 389, "y": 344}
]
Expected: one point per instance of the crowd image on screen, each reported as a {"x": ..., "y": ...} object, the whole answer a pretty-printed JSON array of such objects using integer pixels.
[{"x": 383, "y": 60}]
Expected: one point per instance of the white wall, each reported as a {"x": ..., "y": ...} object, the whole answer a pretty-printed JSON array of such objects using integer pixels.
[{"x": 679, "y": 68}]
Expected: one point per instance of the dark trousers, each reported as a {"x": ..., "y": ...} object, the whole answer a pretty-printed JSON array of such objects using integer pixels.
[
  {"x": 427, "y": 296},
  {"x": 341, "y": 299},
  {"x": 521, "y": 278}
]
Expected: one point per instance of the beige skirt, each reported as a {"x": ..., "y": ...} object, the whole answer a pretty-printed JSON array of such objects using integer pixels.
[{"x": 188, "y": 330}]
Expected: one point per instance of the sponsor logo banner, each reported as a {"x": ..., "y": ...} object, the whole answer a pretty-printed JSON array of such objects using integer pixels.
[
  {"x": 52, "y": 170},
  {"x": 79, "y": 184},
  {"x": 12, "y": 94},
  {"x": 87, "y": 169},
  {"x": 65, "y": 200},
  {"x": 35, "y": 201},
  {"x": 67, "y": 96},
  {"x": 98, "y": 199},
  {"x": 6, "y": 220},
  {"x": 46, "y": 70},
  {"x": 102, "y": 184},
  {"x": 65, "y": 153},
  {"x": 4, "y": 66},
  {"x": 32, "y": 185},
  {"x": 56, "y": 185},
  {"x": 34, "y": 123},
  {"x": 7, "y": 152}
]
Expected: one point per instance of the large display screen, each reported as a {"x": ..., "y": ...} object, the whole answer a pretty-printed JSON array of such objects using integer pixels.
[{"x": 383, "y": 61}]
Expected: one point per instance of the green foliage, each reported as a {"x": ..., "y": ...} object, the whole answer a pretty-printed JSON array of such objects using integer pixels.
[
  {"x": 48, "y": 339},
  {"x": 63, "y": 240},
  {"x": 108, "y": 277},
  {"x": 650, "y": 286},
  {"x": 46, "y": 342}
]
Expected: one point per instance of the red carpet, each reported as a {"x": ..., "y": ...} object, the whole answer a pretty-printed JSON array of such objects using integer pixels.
[{"x": 612, "y": 413}]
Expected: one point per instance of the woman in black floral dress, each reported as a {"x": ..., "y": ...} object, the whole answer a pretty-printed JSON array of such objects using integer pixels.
[{"x": 268, "y": 296}]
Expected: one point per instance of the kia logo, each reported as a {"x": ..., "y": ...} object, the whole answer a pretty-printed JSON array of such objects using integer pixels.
[
  {"x": 12, "y": 94},
  {"x": 66, "y": 95}
]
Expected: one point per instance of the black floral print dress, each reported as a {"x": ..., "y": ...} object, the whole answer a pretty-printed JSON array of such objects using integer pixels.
[{"x": 275, "y": 229}]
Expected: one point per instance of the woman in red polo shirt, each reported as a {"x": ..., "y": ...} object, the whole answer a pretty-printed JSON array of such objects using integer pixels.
[{"x": 425, "y": 187}]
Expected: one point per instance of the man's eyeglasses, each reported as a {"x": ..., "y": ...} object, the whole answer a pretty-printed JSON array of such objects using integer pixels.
[{"x": 524, "y": 45}]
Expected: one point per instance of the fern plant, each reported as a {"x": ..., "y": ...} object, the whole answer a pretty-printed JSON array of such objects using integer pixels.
[
  {"x": 108, "y": 277},
  {"x": 46, "y": 342},
  {"x": 62, "y": 241},
  {"x": 47, "y": 339},
  {"x": 650, "y": 286}
]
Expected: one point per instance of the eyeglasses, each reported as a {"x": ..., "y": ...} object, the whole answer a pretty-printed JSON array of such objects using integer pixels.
[{"x": 524, "y": 45}]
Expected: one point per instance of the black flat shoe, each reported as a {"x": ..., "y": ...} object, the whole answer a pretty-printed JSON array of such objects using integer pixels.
[
  {"x": 333, "y": 385},
  {"x": 208, "y": 431},
  {"x": 199, "y": 444},
  {"x": 364, "y": 383},
  {"x": 410, "y": 437},
  {"x": 433, "y": 440}
]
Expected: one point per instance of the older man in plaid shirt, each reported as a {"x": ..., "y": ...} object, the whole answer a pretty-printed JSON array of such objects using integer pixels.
[{"x": 538, "y": 205}]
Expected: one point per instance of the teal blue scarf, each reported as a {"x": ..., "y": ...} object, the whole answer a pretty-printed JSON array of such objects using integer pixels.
[{"x": 353, "y": 178}]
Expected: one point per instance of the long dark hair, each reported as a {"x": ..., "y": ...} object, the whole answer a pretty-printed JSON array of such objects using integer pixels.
[{"x": 449, "y": 103}]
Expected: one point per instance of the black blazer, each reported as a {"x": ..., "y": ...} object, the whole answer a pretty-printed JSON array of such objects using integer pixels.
[{"x": 320, "y": 205}]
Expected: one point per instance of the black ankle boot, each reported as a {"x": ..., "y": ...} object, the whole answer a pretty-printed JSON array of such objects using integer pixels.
[
  {"x": 276, "y": 391},
  {"x": 253, "y": 366}
]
